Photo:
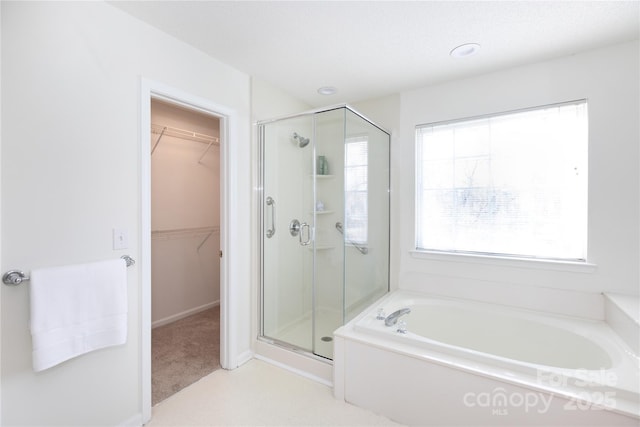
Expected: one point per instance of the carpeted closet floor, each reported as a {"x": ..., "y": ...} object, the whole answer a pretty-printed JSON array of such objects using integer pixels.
[{"x": 183, "y": 352}]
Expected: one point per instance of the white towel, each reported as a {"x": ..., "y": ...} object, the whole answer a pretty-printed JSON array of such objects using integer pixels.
[{"x": 76, "y": 309}]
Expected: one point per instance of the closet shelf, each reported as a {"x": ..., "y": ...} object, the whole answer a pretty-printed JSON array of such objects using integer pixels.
[
  {"x": 184, "y": 134},
  {"x": 184, "y": 233}
]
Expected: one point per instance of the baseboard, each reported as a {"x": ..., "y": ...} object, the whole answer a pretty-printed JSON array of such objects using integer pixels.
[
  {"x": 133, "y": 421},
  {"x": 244, "y": 357},
  {"x": 182, "y": 315}
]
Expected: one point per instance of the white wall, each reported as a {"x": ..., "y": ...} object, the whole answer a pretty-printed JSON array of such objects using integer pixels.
[
  {"x": 608, "y": 78},
  {"x": 269, "y": 102},
  {"x": 185, "y": 215},
  {"x": 71, "y": 172}
]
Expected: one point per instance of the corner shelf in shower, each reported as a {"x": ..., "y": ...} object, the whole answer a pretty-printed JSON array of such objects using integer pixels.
[
  {"x": 323, "y": 176},
  {"x": 324, "y": 212},
  {"x": 321, "y": 248}
]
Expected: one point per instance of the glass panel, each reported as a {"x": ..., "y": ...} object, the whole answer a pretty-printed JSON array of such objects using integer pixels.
[
  {"x": 329, "y": 249},
  {"x": 287, "y": 265},
  {"x": 366, "y": 194}
]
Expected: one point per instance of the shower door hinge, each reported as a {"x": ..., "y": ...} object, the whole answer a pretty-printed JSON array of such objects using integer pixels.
[{"x": 220, "y": 252}]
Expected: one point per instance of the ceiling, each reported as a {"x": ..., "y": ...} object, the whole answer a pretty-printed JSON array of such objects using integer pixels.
[{"x": 368, "y": 49}]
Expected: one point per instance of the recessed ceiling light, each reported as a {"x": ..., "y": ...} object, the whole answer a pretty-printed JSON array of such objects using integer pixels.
[
  {"x": 327, "y": 90},
  {"x": 465, "y": 50}
]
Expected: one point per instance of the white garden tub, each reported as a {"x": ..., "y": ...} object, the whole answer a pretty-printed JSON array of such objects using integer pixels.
[{"x": 469, "y": 363}]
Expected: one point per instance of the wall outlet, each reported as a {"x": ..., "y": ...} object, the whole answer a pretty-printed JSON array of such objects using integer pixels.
[{"x": 120, "y": 239}]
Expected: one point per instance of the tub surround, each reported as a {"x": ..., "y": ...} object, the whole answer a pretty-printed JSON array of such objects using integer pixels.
[
  {"x": 438, "y": 384},
  {"x": 622, "y": 313},
  {"x": 587, "y": 305}
]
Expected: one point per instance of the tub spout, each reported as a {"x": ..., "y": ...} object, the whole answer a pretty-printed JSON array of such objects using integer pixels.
[{"x": 393, "y": 317}]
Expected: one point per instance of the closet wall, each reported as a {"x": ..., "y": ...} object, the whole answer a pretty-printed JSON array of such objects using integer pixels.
[{"x": 185, "y": 212}]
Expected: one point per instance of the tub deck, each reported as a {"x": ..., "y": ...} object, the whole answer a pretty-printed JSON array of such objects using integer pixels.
[{"x": 606, "y": 392}]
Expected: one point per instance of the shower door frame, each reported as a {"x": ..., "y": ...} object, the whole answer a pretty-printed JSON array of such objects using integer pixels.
[
  {"x": 314, "y": 363},
  {"x": 261, "y": 230}
]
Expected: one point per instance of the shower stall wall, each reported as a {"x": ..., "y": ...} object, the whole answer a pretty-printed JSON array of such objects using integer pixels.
[{"x": 324, "y": 220}]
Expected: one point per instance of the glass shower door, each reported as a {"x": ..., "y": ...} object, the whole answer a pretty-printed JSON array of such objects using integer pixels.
[
  {"x": 287, "y": 227},
  {"x": 324, "y": 225}
]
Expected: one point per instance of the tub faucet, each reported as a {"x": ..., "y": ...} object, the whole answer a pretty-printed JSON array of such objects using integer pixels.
[{"x": 393, "y": 317}]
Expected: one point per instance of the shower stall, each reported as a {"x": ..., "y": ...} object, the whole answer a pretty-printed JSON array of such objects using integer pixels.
[{"x": 324, "y": 221}]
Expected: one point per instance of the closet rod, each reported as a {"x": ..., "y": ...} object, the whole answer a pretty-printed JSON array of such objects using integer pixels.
[{"x": 184, "y": 134}]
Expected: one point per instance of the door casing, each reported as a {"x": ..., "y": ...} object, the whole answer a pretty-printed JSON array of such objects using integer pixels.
[{"x": 228, "y": 262}]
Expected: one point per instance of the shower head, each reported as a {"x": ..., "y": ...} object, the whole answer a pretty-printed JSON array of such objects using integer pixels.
[{"x": 300, "y": 140}]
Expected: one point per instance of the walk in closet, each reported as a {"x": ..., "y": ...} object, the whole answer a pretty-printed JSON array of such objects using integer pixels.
[{"x": 185, "y": 244}]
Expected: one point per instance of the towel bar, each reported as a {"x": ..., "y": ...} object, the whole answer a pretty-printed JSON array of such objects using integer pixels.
[{"x": 15, "y": 277}]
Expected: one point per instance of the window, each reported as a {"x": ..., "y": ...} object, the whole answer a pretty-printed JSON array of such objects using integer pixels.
[
  {"x": 356, "y": 182},
  {"x": 510, "y": 184}
]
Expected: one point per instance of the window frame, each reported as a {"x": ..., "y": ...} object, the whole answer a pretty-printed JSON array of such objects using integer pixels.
[{"x": 534, "y": 261}]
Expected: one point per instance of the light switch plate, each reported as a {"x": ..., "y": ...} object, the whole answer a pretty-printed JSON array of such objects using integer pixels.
[{"x": 120, "y": 239}]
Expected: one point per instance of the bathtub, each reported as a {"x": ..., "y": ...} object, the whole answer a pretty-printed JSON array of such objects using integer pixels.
[{"x": 470, "y": 363}]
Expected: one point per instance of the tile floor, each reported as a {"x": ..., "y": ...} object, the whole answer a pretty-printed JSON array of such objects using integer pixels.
[{"x": 259, "y": 394}]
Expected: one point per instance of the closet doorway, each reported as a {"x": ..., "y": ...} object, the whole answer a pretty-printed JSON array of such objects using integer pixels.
[{"x": 185, "y": 247}]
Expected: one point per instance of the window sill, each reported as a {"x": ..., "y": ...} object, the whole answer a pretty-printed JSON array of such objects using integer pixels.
[{"x": 535, "y": 264}]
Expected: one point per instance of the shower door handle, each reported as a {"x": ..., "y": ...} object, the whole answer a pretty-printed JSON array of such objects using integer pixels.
[
  {"x": 302, "y": 227},
  {"x": 271, "y": 231},
  {"x": 297, "y": 229}
]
